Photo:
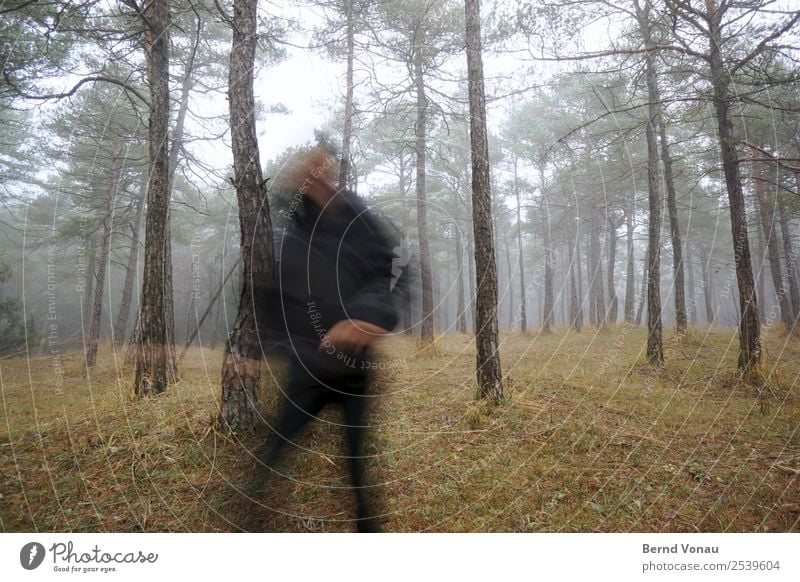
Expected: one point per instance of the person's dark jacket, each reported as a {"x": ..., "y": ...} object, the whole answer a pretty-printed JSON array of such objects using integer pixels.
[{"x": 330, "y": 266}]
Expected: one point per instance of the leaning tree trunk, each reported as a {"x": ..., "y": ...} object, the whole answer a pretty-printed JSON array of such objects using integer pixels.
[
  {"x": 105, "y": 248},
  {"x": 766, "y": 206},
  {"x": 121, "y": 326},
  {"x": 490, "y": 385},
  {"x": 344, "y": 167},
  {"x": 692, "y": 307},
  {"x": 426, "y": 327},
  {"x": 241, "y": 367},
  {"x": 750, "y": 357},
  {"x": 523, "y": 315},
  {"x": 152, "y": 344}
]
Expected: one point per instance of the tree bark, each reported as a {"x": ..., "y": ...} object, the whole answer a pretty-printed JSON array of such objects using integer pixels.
[
  {"x": 709, "y": 302},
  {"x": 241, "y": 367},
  {"x": 152, "y": 344},
  {"x": 750, "y": 356},
  {"x": 105, "y": 249},
  {"x": 642, "y": 290},
  {"x": 426, "y": 327},
  {"x": 490, "y": 384}
]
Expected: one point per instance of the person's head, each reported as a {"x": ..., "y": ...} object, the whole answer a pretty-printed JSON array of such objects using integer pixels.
[{"x": 312, "y": 172}]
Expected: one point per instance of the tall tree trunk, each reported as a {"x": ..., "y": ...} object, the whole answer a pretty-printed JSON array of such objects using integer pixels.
[
  {"x": 630, "y": 269},
  {"x": 241, "y": 367},
  {"x": 472, "y": 284},
  {"x": 575, "y": 310},
  {"x": 707, "y": 289},
  {"x": 490, "y": 385},
  {"x": 692, "y": 307},
  {"x": 761, "y": 254},
  {"x": 91, "y": 269},
  {"x": 578, "y": 267},
  {"x": 131, "y": 269},
  {"x": 598, "y": 295},
  {"x": 613, "y": 303},
  {"x": 674, "y": 227},
  {"x": 590, "y": 273},
  {"x": 655, "y": 346},
  {"x": 523, "y": 315},
  {"x": 642, "y": 290},
  {"x": 344, "y": 167},
  {"x": 788, "y": 257},
  {"x": 547, "y": 315},
  {"x": 152, "y": 346},
  {"x": 462, "y": 316},
  {"x": 750, "y": 357},
  {"x": 510, "y": 285},
  {"x": 426, "y": 327},
  {"x": 767, "y": 213},
  {"x": 105, "y": 249}
]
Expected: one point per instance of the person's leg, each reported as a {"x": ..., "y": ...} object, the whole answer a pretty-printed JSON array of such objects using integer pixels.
[
  {"x": 354, "y": 402},
  {"x": 302, "y": 404}
]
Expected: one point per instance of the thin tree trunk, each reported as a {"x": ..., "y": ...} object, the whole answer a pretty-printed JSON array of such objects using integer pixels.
[
  {"x": 655, "y": 346},
  {"x": 642, "y": 290},
  {"x": 707, "y": 289},
  {"x": 344, "y": 168},
  {"x": 241, "y": 367},
  {"x": 426, "y": 328},
  {"x": 522, "y": 294},
  {"x": 750, "y": 357},
  {"x": 152, "y": 344},
  {"x": 788, "y": 257},
  {"x": 490, "y": 384},
  {"x": 692, "y": 307},
  {"x": 767, "y": 213},
  {"x": 761, "y": 254},
  {"x": 462, "y": 316},
  {"x": 612, "y": 260},
  {"x": 578, "y": 268},
  {"x": 121, "y": 326},
  {"x": 510, "y": 286},
  {"x": 630, "y": 270},
  {"x": 105, "y": 250},
  {"x": 547, "y": 315},
  {"x": 598, "y": 294},
  {"x": 575, "y": 311},
  {"x": 90, "y": 281}
]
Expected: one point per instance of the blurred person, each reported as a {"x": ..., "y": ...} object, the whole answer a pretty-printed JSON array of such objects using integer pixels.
[{"x": 330, "y": 304}]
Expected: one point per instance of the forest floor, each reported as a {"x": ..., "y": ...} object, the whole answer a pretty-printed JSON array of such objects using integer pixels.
[{"x": 589, "y": 439}]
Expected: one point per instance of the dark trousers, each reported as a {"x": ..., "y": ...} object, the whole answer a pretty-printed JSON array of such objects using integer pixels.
[{"x": 305, "y": 399}]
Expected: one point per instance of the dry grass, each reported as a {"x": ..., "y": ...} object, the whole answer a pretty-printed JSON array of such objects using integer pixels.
[{"x": 590, "y": 439}]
